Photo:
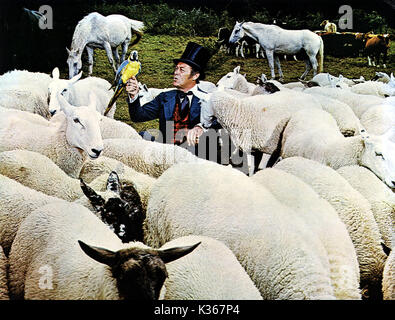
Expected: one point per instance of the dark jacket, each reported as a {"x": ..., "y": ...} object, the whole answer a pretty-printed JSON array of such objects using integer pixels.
[{"x": 162, "y": 108}]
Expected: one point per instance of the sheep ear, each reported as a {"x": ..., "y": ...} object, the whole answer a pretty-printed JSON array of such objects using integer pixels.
[
  {"x": 113, "y": 183},
  {"x": 236, "y": 70},
  {"x": 95, "y": 199},
  {"x": 171, "y": 254},
  {"x": 55, "y": 73},
  {"x": 65, "y": 106},
  {"x": 75, "y": 78},
  {"x": 99, "y": 254},
  {"x": 68, "y": 51}
]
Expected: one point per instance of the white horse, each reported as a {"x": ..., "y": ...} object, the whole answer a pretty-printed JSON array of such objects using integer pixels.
[
  {"x": 97, "y": 31},
  {"x": 275, "y": 40}
]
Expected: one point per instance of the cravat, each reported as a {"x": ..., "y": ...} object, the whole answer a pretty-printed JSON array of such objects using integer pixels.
[{"x": 185, "y": 103}]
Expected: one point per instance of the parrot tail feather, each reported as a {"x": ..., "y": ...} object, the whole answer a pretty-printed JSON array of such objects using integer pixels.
[{"x": 112, "y": 100}]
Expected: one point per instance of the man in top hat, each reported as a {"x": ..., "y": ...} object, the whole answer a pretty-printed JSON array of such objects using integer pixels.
[{"x": 178, "y": 110}]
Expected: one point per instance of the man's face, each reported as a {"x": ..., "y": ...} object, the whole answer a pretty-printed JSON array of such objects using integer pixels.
[{"x": 183, "y": 79}]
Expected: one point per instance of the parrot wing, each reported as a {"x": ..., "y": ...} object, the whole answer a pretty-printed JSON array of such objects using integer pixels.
[{"x": 119, "y": 73}]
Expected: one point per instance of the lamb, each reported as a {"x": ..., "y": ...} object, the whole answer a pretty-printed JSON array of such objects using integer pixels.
[
  {"x": 321, "y": 217},
  {"x": 16, "y": 203},
  {"x": 353, "y": 209},
  {"x": 389, "y": 277},
  {"x": 359, "y": 103},
  {"x": 380, "y": 197},
  {"x": 314, "y": 134},
  {"x": 58, "y": 253},
  {"x": 24, "y": 90},
  {"x": 150, "y": 158},
  {"x": 235, "y": 80},
  {"x": 96, "y": 172},
  {"x": 77, "y": 92},
  {"x": 210, "y": 272},
  {"x": 3, "y": 276},
  {"x": 119, "y": 207},
  {"x": 249, "y": 220},
  {"x": 68, "y": 139}
]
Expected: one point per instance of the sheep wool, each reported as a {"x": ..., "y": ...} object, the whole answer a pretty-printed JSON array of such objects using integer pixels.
[
  {"x": 389, "y": 278},
  {"x": 150, "y": 158},
  {"x": 3, "y": 276},
  {"x": 187, "y": 199},
  {"x": 40, "y": 173},
  {"x": 380, "y": 197},
  {"x": 353, "y": 209},
  {"x": 210, "y": 272},
  {"x": 16, "y": 203},
  {"x": 322, "y": 218}
]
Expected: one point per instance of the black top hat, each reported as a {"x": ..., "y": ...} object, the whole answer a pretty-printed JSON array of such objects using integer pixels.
[{"x": 196, "y": 56}]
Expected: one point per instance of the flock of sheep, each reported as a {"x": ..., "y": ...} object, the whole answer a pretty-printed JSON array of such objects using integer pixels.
[{"x": 90, "y": 210}]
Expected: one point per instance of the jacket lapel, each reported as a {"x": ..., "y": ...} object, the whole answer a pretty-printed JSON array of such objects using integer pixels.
[{"x": 169, "y": 103}]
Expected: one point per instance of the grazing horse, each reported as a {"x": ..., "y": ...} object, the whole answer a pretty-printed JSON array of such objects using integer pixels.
[
  {"x": 328, "y": 26},
  {"x": 275, "y": 40},
  {"x": 97, "y": 31}
]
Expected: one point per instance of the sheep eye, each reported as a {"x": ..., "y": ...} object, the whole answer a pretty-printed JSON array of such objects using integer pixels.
[
  {"x": 64, "y": 91},
  {"x": 76, "y": 120}
]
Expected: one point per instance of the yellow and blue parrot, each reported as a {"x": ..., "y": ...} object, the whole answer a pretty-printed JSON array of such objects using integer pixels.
[{"x": 129, "y": 68}]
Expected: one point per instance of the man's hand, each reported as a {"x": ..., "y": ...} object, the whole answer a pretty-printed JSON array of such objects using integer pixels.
[
  {"x": 193, "y": 135},
  {"x": 132, "y": 87}
]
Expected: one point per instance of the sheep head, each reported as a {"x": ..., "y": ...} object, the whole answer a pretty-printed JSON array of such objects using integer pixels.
[
  {"x": 59, "y": 86},
  {"x": 140, "y": 271},
  {"x": 83, "y": 128},
  {"x": 119, "y": 207},
  {"x": 379, "y": 156}
]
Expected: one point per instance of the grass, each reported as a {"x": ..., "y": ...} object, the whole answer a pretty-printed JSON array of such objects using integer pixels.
[{"x": 156, "y": 53}]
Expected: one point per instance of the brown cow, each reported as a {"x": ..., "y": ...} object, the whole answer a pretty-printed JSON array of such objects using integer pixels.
[{"x": 375, "y": 46}]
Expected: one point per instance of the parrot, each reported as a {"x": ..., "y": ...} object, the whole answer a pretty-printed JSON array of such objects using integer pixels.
[{"x": 129, "y": 68}]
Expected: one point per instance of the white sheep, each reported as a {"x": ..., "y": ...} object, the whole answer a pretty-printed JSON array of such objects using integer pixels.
[
  {"x": 40, "y": 173},
  {"x": 323, "y": 220},
  {"x": 24, "y": 90},
  {"x": 389, "y": 278},
  {"x": 359, "y": 103},
  {"x": 380, "y": 197},
  {"x": 210, "y": 272},
  {"x": 151, "y": 158},
  {"x": 67, "y": 139},
  {"x": 16, "y": 203},
  {"x": 3, "y": 276},
  {"x": 382, "y": 77},
  {"x": 379, "y": 119},
  {"x": 353, "y": 209},
  {"x": 58, "y": 253},
  {"x": 77, "y": 92},
  {"x": 202, "y": 199},
  {"x": 235, "y": 80},
  {"x": 375, "y": 88},
  {"x": 314, "y": 134},
  {"x": 256, "y": 122},
  {"x": 112, "y": 128},
  {"x": 24, "y": 100}
]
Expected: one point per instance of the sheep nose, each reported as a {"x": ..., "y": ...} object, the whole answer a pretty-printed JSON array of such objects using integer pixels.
[
  {"x": 96, "y": 152},
  {"x": 52, "y": 112}
]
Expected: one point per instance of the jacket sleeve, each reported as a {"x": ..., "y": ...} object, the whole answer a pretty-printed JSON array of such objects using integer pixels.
[{"x": 146, "y": 112}]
